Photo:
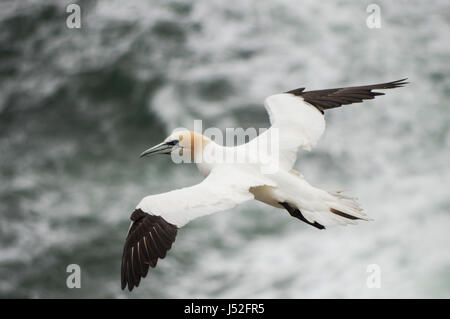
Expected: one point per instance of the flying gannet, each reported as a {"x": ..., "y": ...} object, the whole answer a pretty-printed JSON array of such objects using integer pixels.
[{"x": 297, "y": 119}]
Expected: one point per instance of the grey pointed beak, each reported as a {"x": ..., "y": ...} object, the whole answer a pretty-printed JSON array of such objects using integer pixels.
[{"x": 162, "y": 148}]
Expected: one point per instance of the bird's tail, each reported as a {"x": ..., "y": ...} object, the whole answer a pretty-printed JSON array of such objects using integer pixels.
[
  {"x": 336, "y": 209},
  {"x": 346, "y": 209}
]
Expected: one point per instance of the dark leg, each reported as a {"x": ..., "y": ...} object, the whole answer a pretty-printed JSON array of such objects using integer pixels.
[{"x": 294, "y": 212}]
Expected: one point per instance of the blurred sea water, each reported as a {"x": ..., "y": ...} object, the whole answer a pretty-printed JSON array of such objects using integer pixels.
[{"x": 77, "y": 106}]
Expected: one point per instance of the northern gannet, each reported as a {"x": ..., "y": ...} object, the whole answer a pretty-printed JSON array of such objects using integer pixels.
[{"x": 297, "y": 121}]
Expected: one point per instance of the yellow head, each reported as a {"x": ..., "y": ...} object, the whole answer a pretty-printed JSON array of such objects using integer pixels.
[{"x": 187, "y": 144}]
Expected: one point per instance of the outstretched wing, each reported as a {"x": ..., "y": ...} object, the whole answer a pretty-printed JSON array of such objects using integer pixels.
[
  {"x": 224, "y": 188},
  {"x": 298, "y": 114},
  {"x": 331, "y": 98},
  {"x": 157, "y": 218}
]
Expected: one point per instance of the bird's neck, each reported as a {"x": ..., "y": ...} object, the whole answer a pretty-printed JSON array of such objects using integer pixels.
[
  {"x": 198, "y": 144},
  {"x": 204, "y": 153}
]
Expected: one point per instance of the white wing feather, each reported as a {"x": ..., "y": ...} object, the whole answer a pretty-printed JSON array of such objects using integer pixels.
[
  {"x": 224, "y": 188},
  {"x": 299, "y": 124}
]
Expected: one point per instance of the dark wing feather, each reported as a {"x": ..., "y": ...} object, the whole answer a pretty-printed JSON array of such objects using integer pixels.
[
  {"x": 331, "y": 98},
  {"x": 149, "y": 238}
]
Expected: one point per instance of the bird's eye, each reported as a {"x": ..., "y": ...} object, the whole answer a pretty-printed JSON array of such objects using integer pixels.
[{"x": 174, "y": 142}]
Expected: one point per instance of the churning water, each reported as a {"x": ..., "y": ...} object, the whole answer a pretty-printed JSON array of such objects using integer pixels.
[{"x": 77, "y": 106}]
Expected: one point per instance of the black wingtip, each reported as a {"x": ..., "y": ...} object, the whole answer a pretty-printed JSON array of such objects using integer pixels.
[
  {"x": 128, "y": 286},
  {"x": 402, "y": 82},
  {"x": 296, "y": 91},
  {"x": 398, "y": 83},
  {"x": 149, "y": 238}
]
